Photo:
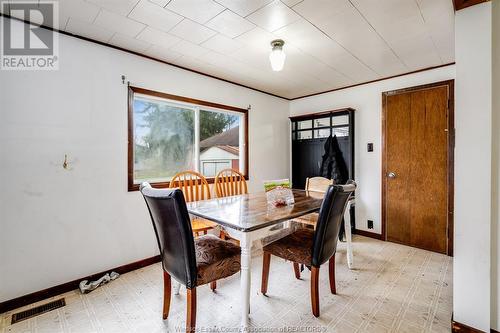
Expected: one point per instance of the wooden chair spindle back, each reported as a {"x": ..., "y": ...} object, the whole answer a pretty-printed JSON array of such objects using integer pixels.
[
  {"x": 229, "y": 182},
  {"x": 192, "y": 184}
]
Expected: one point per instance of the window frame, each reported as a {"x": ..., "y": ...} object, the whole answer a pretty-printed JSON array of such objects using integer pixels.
[{"x": 191, "y": 102}]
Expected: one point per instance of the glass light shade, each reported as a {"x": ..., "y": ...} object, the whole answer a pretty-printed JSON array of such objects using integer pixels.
[{"x": 277, "y": 58}]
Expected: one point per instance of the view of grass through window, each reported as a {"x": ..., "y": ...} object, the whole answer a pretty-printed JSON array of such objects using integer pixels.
[{"x": 165, "y": 140}]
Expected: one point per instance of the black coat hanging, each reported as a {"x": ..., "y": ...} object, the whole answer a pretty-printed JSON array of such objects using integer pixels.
[{"x": 333, "y": 165}]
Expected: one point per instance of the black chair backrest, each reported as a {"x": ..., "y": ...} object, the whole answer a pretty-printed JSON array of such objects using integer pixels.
[
  {"x": 329, "y": 221},
  {"x": 174, "y": 234}
]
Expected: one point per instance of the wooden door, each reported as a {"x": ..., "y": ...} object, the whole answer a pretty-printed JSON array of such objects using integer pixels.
[{"x": 416, "y": 167}]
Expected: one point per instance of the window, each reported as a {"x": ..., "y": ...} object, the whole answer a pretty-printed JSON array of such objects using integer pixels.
[
  {"x": 321, "y": 127},
  {"x": 169, "y": 134}
]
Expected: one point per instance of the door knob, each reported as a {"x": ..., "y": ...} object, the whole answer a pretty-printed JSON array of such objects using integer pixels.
[{"x": 391, "y": 175}]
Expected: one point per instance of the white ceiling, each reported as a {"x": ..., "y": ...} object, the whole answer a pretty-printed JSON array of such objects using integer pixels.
[{"x": 329, "y": 43}]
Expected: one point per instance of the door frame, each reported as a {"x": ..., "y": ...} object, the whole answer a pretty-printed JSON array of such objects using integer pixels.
[{"x": 451, "y": 154}]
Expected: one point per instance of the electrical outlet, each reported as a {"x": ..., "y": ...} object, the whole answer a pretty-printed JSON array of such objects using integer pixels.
[{"x": 370, "y": 224}]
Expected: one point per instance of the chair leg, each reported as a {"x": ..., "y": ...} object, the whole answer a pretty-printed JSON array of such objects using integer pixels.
[
  {"x": 265, "y": 272},
  {"x": 315, "y": 290},
  {"x": 167, "y": 289},
  {"x": 191, "y": 310},
  {"x": 296, "y": 269},
  {"x": 331, "y": 271},
  {"x": 213, "y": 285}
]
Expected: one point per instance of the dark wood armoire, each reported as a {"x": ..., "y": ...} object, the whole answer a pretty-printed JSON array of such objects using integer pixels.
[{"x": 309, "y": 134}]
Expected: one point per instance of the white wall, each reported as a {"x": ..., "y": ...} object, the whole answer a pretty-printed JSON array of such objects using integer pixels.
[
  {"x": 495, "y": 213},
  {"x": 58, "y": 225},
  {"x": 473, "y": 122},
  {"x": 367, "y": 100}
]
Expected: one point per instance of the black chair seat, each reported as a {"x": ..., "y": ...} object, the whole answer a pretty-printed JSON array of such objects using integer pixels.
[{"x": 215, "y": 259}]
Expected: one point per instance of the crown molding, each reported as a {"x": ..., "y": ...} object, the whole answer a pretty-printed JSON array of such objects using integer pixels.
[{"x": 461, "y": 4}]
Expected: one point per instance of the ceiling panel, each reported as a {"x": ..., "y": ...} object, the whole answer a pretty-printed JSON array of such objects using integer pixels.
[
  {"x": 329, "y": 43},
  {"x": 304, "y": 35},
  {"x": 230, "y": 24},
  {"x": 78, "y": 9},
  {"x": 291, "y": 3},
  {"x": 440, "y": 22},
  {"x": 243, "y": 7},
  {"x": 194, "y": 64},
  {"x": 347, "y": 27},
  {"x": 122, "y": 7},
  {"x": 445, "y": 44},
  {"x": 115, "y": 22},
  {"x": 155, "y": 16},
  {"x": 129, "y": 43},
  {"x": 320, "y": 10},
  {"x": 403, "y": 26},
  {"x": 222, "y": 44},
  {"x": 157, "y": 37},
  {"x": 345, "y": 63},
  {"x": 222, "y": 61},
  {"x": 161, "y": 3},
  {"x": 88, "y": 30},
  {"x": 165, "y": 54},
  {"x": 189, "y": 49},
  {"x": 192, "y": 31},
  {"x": 255, "y": 58},
  {"x": 273, "y": 16},
  {"x": 199, "y": 11},
  {"x": 306, "y": 63},
  {"x": 257, "y": 39},
  {"x": 418, "y": 52}
]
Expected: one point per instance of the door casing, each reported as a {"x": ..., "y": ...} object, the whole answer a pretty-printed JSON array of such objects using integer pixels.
[{"x": 451, "y": 149}]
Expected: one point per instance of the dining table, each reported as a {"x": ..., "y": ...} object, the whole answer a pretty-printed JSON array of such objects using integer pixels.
[{"x": 250, "y": 218}]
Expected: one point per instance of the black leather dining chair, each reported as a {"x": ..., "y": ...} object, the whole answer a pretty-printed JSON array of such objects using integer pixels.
[
  {"x": 192, "y": 262},
  {"x": 313, "y": 247}
]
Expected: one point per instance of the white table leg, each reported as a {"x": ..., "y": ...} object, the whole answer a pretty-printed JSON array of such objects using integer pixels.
[
  {"x": 246, "y": 261},
  {"x": 176, "y": 286},
  {"x": 348, "y": 234}
]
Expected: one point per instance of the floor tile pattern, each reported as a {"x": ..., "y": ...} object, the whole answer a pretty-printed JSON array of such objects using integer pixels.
[{"x": 393, "y": 288}]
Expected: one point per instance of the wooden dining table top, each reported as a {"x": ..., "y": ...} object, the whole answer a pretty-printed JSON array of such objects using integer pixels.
[{"x": 249, "y": 212}]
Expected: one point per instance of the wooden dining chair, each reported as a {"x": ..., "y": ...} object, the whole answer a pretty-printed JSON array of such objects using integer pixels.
[
  {"x": 192, "y": 262},
  {"x": 316, "y": 184},
  {"x": 229, "y": 182},
  {"x": 313, "y": 247},
  {"x": 195, "y": 187}
]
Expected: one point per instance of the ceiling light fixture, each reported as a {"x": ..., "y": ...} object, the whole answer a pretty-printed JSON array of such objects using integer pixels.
[{"x": 277, "y": 56}]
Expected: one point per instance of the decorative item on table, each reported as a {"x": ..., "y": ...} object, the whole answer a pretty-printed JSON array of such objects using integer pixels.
[{"x": 278, "y": 192}]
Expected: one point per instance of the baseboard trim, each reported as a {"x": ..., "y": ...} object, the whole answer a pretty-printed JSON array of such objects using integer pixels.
[
  {"x": 72, "y": 285},
  {"x": 368, "y": 234},
  {"x": 457, "y": 327}
]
